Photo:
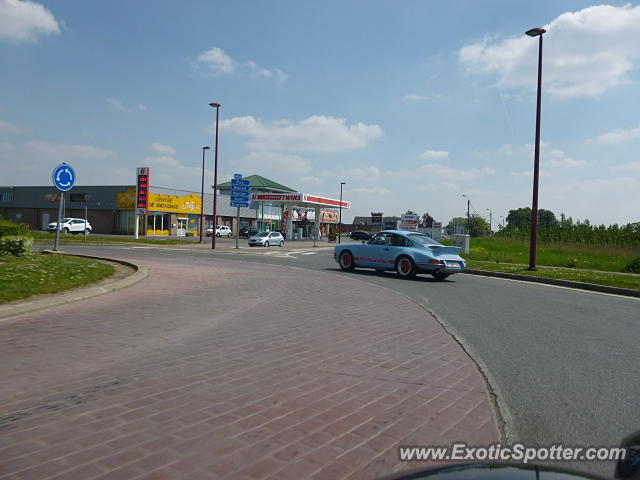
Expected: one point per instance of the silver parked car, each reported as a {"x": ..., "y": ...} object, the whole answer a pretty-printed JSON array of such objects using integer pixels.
[{"x": 266, "y": 239}]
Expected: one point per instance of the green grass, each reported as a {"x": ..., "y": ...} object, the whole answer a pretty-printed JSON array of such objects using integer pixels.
[
  {"x": 21, "y": 277},
  {"x": 599, "y": 278},
  {"x": 586, "y": 257},
  {"x": 39, "y": 237}
]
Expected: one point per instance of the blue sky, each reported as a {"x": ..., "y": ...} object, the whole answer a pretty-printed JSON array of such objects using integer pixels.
[{"x": 412, "y": 103}]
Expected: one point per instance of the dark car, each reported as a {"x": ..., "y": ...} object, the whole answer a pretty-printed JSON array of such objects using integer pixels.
[
  {"x": 360, "y": 235},
  {"x": 248, "y": 231}
]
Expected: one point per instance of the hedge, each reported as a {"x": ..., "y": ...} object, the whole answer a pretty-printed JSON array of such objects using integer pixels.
[
  {"x": 8, "y": 229},
  {"x": 16, "y": 246}
]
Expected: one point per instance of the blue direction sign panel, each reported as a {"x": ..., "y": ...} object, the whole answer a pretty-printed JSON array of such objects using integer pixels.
[
  {"x": 239, "y": 181},
  {"x": 240, "y": 188},
  {"x": 239, "y": 204},
  {"x": 63, "y": 177}
]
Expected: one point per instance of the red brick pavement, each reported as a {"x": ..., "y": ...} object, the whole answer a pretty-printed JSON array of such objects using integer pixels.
[{"x": 221, "y": 369}]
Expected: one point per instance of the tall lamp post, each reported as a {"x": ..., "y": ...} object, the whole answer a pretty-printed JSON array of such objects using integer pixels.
[
  {"x": 340, "y": 214},
  {"x": 202, "y": 196},
  {"x": 536, "y": 32},
  {"x": 468, "y": 232},
  {"x": 215, "y": 177},
  {"x": 490, "y": 215}
]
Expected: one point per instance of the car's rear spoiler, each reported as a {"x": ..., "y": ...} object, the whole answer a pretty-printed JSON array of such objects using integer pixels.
[{"x": 440, "y": 250}]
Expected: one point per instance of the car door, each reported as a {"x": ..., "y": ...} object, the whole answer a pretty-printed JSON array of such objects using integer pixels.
[{"x": 374, "y": 253}]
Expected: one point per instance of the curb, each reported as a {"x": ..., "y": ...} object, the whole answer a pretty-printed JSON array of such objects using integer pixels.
[
  {"x": 593, "y": 287},
  {"x": 21, "y": 307}
]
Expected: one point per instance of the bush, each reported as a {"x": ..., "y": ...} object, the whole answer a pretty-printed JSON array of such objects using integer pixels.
[
  {"x": 633, "y": 266},
  {"x": 16, "y": 246},
  {"x": 8, "y": 228}
]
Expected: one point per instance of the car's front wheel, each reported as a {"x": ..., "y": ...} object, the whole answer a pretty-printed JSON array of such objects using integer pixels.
[
  {"x": 229, "y": 236},
  {"x": 65, "y": 230},
  {"x": 266, "y": 244},
  {"x": 440, "y": 275},
  {"x": 346, "y": 261},
  {"x": 405, "y": 267},
  {"x": 88, "y": 231}
]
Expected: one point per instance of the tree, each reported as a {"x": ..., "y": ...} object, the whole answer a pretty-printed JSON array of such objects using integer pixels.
[
  {"x": 478, "y": 226},
  {"x": 520, "y": 219},
  {"x": 427, "y": 220}
]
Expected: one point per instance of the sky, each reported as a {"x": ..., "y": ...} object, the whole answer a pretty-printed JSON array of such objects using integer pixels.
[{"x": 412, "y": 104}]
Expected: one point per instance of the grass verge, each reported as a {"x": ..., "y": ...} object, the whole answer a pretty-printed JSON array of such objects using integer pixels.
[
  {"x": 620, "y": 280},
  {"x": 21, "y": 277},
  {"x": 586, "y": 257},
  {"x": 69, "y": 238}
]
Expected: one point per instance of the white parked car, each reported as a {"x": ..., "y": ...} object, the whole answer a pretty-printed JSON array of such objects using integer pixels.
[
  {"x": 266, "y": 239},
  {"x": 221, "y": 231},
  {"x": 71, "y": 225}
]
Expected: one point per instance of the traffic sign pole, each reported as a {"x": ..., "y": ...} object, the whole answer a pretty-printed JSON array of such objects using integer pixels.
[
  {"x": 56, "y": 245},
  {"x": 237, "y": 227}
]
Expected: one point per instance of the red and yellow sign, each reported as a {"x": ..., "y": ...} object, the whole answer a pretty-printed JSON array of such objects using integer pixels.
[{"x": 189, "y": 203}]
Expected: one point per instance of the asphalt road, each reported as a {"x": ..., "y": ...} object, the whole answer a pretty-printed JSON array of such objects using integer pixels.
[{"x": 562, "y": 362}]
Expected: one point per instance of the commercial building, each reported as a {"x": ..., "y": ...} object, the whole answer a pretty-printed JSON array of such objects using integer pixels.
[{"x": 171, "y": 212}]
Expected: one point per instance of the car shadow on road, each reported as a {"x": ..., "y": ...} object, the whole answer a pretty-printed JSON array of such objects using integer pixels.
[{"x": 424, "y": 278}]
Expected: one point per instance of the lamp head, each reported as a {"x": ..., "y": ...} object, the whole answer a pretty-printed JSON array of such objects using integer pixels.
[
  {"x": 213, "y": 104},
  {"x": 535, "y": 32}
]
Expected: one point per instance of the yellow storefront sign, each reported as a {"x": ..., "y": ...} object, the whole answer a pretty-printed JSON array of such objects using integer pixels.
[{"x": 162, "y": 203}]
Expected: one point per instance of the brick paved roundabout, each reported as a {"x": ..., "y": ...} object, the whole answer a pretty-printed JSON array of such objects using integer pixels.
[{"x": 225, "y": 369}]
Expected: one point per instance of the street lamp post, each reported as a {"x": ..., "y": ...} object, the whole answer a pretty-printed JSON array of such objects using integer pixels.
[
  {"x": 340, "y": 214},
  {"x": 202, "y": 196},
  {"x": 490, "y": 218},
  {"x": 215, "y": 177},
  {"x": 468, "y": 232},
  {"x": 502, "y": 223},
  {"x": 536, "y": 32}
]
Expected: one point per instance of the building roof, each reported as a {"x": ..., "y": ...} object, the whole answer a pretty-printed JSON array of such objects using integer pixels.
[{"x": 260, "y": 183}]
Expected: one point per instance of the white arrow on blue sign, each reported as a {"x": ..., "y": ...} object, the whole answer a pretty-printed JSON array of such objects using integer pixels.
[
  {"x": 63, "y": 177},
  {"x": 240, "y": 182}
]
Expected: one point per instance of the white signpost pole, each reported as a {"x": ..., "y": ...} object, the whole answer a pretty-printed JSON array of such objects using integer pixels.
[{"x": 56, "y": 245}]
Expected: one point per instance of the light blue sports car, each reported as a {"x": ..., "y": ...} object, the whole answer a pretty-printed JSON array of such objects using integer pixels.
[{"x": 408, "y": 253}]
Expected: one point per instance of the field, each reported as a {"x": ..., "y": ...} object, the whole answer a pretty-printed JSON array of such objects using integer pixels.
[
  {"x": 21, "y": 277},
  {"x": 586, "y": 257}
]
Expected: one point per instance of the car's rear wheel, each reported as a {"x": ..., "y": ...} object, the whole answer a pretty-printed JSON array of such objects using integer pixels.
[
  {"x": 346, "y": 261},
  {"x": 282, "y": 244},
  {"x": 266, "y": 244},
  {"x": 88, "y": 231},
  {"x": 405, "y": 267},
  {"x": 440, "y": 275}
]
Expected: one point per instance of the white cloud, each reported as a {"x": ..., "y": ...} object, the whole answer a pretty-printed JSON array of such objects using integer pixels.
[
  {"x": 373, "y": 190},
  {"x": 118, "y": 105},
  {"x": 413, "y": 97},
  {"x": 216, "y": 62},
  {"x": 8, "y": 127},
  {"x": 566, "y": 162},
  {"x": 618, "y": 136},
  {"x": 586, "y": 53},
  {"x": 22, "y": 21},
  {"x": 311, "y": 181},
  {"x": 434, "y": 155},
  {"x": 448, "y": 173},
  {"x": 317, "y": 133},
  {"x": 440, "y": 187},
  {"x": 160, "y": 148},
  {"x": 631, "y": 167},
  {"x": 61, "y": 151},
  {"x": 270, "y": 163}
]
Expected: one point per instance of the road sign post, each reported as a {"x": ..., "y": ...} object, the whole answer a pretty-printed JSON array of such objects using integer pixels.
[
  {"x": 64, "y": 178},
  {"x": 240, "y": 190},
  {"x": 142, "y": 196}
]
